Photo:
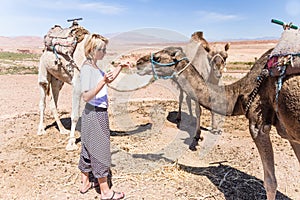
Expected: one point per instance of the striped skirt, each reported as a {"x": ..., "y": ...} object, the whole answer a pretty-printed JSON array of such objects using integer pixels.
[{"x": 95, "y": 153}]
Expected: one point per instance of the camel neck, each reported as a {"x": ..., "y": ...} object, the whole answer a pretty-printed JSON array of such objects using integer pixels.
[
  {"x": 226, "y": 100},
  {"x": 210, "y": 96}
]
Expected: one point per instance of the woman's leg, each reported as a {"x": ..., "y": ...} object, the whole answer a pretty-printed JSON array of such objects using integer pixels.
[{"x": 86, "y": 185}]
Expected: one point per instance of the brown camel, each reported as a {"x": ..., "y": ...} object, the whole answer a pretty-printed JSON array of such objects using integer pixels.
[
  {"x": 262, "y": 109},
  {"x": 211, "y": 69},
  {"x": 54, "y": 71},
  {"x": 217, "y": 55}
]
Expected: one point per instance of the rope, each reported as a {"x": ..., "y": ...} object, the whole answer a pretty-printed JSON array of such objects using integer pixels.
[
  {"x": 129, "y": 90},
  {"x": 216, "y": 55},
  {"x": 153, "y": 62},
  {"x": 279, "y": 84},
  {"x": 264, "y": 73},
  {"x": 178, "y": 73}
]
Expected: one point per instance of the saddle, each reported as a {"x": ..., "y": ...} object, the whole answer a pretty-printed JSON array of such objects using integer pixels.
[
  {"x": 285, "y": 57},
  {"x": 64, "y": 41}
]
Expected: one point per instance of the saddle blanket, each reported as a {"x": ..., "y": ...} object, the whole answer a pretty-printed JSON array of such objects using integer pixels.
[{"x": 285, "y": 57}]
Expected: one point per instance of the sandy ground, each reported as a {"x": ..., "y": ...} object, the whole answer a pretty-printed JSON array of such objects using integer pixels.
[
  {"x": 151, "y": 159},
  {"x": 150, "y": 154}
]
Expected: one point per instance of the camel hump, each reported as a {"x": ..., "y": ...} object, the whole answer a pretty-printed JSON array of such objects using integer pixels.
[
  {"x": 285, "y": 57},
  {"x": 198, "y": 37}
]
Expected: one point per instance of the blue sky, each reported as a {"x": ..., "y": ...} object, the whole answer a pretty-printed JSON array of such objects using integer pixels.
[{"x": 218, "y": 19}]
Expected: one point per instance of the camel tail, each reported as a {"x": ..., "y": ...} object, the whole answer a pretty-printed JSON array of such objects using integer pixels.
[{"x": 48, "y": 90}]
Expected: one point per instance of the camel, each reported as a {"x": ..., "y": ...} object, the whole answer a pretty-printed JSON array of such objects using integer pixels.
[
  {"x": 254, "y": 96},
  {"x": 216, "y": 57},
  {"x": 54, "y": 71}
]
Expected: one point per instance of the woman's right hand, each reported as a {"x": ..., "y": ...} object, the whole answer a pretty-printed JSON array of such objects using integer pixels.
[{"x": 108, "y": 77}]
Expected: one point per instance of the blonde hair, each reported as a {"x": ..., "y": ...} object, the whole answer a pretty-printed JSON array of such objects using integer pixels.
[{"x": 94, "y": 41}]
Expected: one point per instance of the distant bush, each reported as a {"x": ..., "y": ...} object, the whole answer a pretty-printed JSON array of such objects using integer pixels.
[
  {"x": 18, "y": 63},
  {"x": 240, "y": 65},
  {"x": 18, "y": 56}
]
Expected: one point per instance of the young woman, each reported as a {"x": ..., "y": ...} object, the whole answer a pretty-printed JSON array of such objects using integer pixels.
[{"x": 95, "y": 153}]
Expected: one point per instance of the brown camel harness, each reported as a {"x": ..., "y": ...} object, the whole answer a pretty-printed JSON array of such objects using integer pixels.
[{"x": 63, "y": 42}]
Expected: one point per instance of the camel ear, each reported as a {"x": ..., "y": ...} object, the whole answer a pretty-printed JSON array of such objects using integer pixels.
[{"x": 227, "y": 46}]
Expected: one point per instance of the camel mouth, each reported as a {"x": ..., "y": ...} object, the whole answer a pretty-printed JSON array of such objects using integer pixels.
[
  {"x": 141, "y": 72},
  {"x": 141, "y": 69}
]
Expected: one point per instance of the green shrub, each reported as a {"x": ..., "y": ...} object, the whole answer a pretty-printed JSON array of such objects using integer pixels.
[{"x": 18, "y": 56}]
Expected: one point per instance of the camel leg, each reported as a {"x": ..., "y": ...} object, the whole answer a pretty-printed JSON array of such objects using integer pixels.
[
  {"x": 55, "y": 87},
  {"x": 42, "y": 106},
  {"x": 263, "y": 143},
  {"x": 189, "y": 104},
  {"x": 197, "y": 136},
  {"x": 76, "y": 94},
  {"x": 215, "y": 123},
  {"x": 178, "y": 117},
  {"x": 296, "y": 148}
]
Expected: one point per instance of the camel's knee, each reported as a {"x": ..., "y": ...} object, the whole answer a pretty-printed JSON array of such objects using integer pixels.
[
  {"x": 44, "y": 88},
  {"x": 266, "y": 128},
  {"x": 257, "y": 131},
  {"x": 74, "y": 121}
]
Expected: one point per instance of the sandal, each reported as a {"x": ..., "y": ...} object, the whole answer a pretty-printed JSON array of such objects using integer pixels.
[{"x": 112, "y": 197}]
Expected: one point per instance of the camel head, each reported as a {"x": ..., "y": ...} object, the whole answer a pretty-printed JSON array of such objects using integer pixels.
[
  {"x": 161, "y": 64},
  {"x": 217, "y": 55}
]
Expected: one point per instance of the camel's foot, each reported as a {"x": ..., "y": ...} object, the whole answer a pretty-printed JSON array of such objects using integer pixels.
[
  {"x": 64, "y": 131},
  {"x": 216, "y": 131},
  {"x": 193, "y": 145},
  {"x": 178, "y": 122},
  {"x": 41, "y": 132},
  {"x": 71, "y": 146}
]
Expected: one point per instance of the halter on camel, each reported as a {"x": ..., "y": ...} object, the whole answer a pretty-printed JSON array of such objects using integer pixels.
[
  {"x": 214, "y": 57},
  {"x": 176, "y": 74},
  {"x": 153, "y": 63}
]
